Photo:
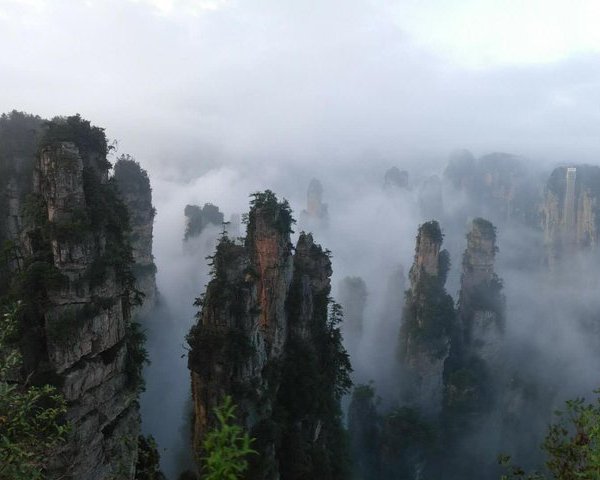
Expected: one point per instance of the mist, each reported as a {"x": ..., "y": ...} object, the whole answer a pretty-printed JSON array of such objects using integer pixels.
[{"x": 219, "y": 99}]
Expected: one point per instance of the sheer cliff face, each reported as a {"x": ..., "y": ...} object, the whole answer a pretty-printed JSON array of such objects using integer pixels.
[
  {"x": 427, "y": 322},
  {"x": 85, "y": 320},
  {"x": 481, "y": 304},
  {"x": 135, "y": 190},
  {"x": 316, "y": 214},
  {"x": 271, "y": 256},
  {"x": 353, "y": 298},
  {"x": 476, "y": 343},
  {"x": 396, "y": 178},
  {"x": 242, "y": 326},
  {"x": 19, "y": 134},
  {"x": 571, "y": 211},
  {"x": 198, "y": 218},
  {"x": 263, "y": 307},
  {"x": 497, "y": 186},
  {"x": 71, "y": 269}
]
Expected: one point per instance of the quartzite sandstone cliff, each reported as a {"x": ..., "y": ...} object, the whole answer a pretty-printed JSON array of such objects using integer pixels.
[{"x": 263, "y": 337}]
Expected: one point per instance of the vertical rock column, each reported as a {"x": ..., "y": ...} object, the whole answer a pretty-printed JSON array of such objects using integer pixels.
[
  {"x": 264, "y": 338},
  {"x": 85, "y": 327},
  {"x": 571, "y": 211},
  {"x": 481, "y": 303},
  {"x": 427, "y": 322},
  {"x": 134, "y": 186},
  {"x": 242, "y": 326}
]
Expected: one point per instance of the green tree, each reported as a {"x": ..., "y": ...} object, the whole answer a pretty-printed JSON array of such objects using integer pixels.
[
  {"x": 572, "y": 445},
  {"x": 226, "y": 446},
  {"x": 31, "y": 425}
]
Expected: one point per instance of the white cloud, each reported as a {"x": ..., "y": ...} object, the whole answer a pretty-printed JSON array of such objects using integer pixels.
[
  {"x": 483, "y": 33},
  {"x": 183, "y": 7}
]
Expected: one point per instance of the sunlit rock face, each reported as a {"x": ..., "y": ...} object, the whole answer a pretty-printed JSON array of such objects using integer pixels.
[
  {"x": 243, "y": 325},
  {"x": 135, "y": 190},
  {"x": 571, "y": 211},
  {"x": 427, "y": 322},
  {"x": 315, "y": 215},
  {"x": 259, "y": 317},
  {"x": 85, "y": 319}
]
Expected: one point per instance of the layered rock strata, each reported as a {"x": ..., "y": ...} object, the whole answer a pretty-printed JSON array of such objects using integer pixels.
[
  {"x": 571, "y": 211},
  {"x": 427, "y": 322},
  {"x": 74, "y": 280},
  {"x": 263, "y": 322},
  {"x": 136, "y": 192}
]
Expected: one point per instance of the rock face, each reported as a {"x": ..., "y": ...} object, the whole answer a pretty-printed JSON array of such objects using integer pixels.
[
  {"x": 571, "y": 211},
  {"x": 476, "y": 343},
  {"x": 263, "y": 320},
  {"x": 427, "y": 322},
  {"x": 76, "y": 284},
  {"x": 135, "y": 190},
  {"x": 316, "y": 213},
  {"x": 353, "y": 298},
  {"x": 86, "y": 324},
  {"x": 198, "y": 218},
  {"x": 496, "y": 186},
  {"x": 396, "y": 178},
  {"x": 481, "y": 304},
  {"x": 19, "y": 135}
]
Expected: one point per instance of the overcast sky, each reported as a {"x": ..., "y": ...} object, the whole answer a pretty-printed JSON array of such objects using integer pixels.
[{"x": 196, "y": 83}]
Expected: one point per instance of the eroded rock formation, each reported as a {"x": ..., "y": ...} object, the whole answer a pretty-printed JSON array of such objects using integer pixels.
[
  {"x": 353, "y": 298},
  {"x": 496, "y": 186},
  {"x": 74, "y": 278},
  {"x": 135, "y": 190},
  {"x": 477, "y": 341},
  {"x": 571, "y": 211},
  {"x": 395, "y": 178},
  {"x": 316, "y": 214},
  {"x": 481, "y": 304},
  {"x": 198, "y": 218},
  {"x": 263, "y": 337},
  {"x": 427, "y": 322}
]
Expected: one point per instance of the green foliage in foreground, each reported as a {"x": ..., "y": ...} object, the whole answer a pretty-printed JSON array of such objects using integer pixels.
[
  {"x": 226, "y": 446},
  {"x": 148, "y": 461},
  {"x": 31, "y": 423},
  {"x": 572, "y": 445}
]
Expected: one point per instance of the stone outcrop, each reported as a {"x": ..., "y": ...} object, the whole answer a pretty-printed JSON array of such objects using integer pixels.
[
  {"x": 19, "y": 134},
  {"x": 481, "y": 303},
  {"x": 395, "y": 178},
  {"x": 86, "y": 322},
  {"x": 75, "y": 281},
  {"x": 263, "y": 315},
  {"x": 353, "y": 298},
  {"x": 571, "y": 211},
  {"x": 135, "y": 190},
  {"x": 316, "y": 213},
  {"x": 496, "y": 186},
  {"x": 477, "y": 340},
  {"x": 198, "y": 218},
  {"x": 427, "y": 322}
]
